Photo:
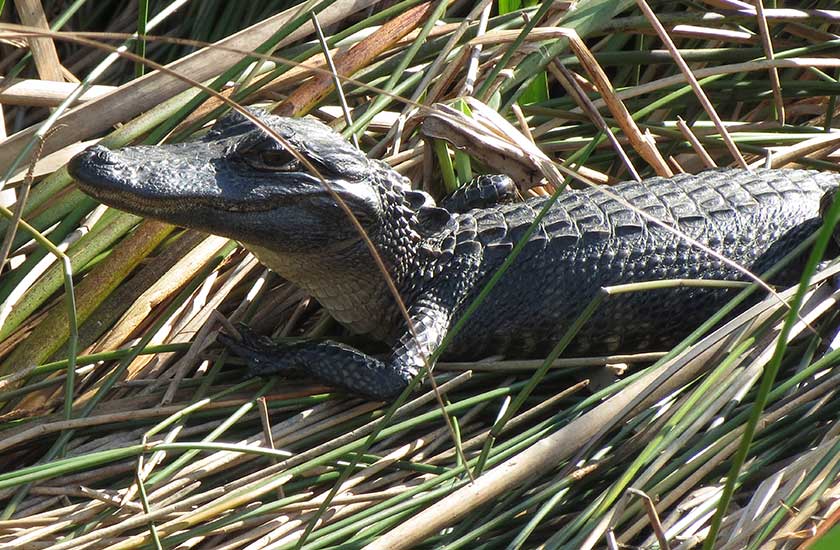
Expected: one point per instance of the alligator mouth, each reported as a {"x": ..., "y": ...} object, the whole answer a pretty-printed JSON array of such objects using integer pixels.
[{"x": 117, "y": 181}]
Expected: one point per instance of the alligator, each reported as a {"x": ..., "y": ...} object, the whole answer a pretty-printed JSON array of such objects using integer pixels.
[{"x": 240, "y": 182}]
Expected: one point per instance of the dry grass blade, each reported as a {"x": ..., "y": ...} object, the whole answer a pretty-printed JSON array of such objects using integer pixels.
[
  {"x": 566, "y": 79},
  {"x": 42, "y": 93},
  {"x": 144, "y": 93},
  {"x": 31, "y": 13},
  {"x": 494, "y": 142},
  {"x": 698, "y": 148},
  {"x": 768, "y": 53},
  {"x": 347, "y": 63},
  {"x": 168, "y": 443},
  {"x": 642, "y": 143},
  {"x": 704, "y": 100}
]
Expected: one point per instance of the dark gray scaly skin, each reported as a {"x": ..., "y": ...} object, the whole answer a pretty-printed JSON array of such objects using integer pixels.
[{"x": 239, "y": 182}]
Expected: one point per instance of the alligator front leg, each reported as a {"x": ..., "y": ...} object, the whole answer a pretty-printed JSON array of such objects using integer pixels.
[
  {"x": 345, "y": 367},
  {"x": 481, "y": 192}
]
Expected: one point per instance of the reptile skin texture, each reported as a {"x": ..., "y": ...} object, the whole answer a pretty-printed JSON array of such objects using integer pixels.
[
  {"x": 591, "y": 240},
  {"x": 240, "y": 182}
]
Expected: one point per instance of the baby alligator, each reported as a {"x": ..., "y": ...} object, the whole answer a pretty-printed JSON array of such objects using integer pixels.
[{"x": 239, "y": 182}]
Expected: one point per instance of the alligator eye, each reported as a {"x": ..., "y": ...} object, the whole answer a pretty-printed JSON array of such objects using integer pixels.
[
  {"x": 272, "y": 160},
  {"x": 277, "y": 158}
]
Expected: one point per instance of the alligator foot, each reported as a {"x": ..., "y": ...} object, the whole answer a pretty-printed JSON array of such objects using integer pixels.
[{"x": 326, "y": 361}]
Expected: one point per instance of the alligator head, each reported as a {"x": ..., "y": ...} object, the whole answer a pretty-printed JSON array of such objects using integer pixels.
[{"x": 240, "y": 182}]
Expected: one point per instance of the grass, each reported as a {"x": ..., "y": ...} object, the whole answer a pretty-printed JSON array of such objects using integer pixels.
[{"x": 124, "y": 427}]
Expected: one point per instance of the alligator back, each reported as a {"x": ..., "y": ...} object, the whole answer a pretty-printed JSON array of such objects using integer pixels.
[{"x": 591, "y": 240}]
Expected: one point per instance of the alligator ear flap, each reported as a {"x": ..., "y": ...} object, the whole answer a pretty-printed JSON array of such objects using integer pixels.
[{"x": 434, "y": 220}]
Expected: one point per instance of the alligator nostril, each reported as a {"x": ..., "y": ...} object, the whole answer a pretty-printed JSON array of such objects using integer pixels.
[{"x": 100, "y": 155}]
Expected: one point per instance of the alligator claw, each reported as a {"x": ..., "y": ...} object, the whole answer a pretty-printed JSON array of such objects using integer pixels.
[{"x": 261, "y": 354}]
